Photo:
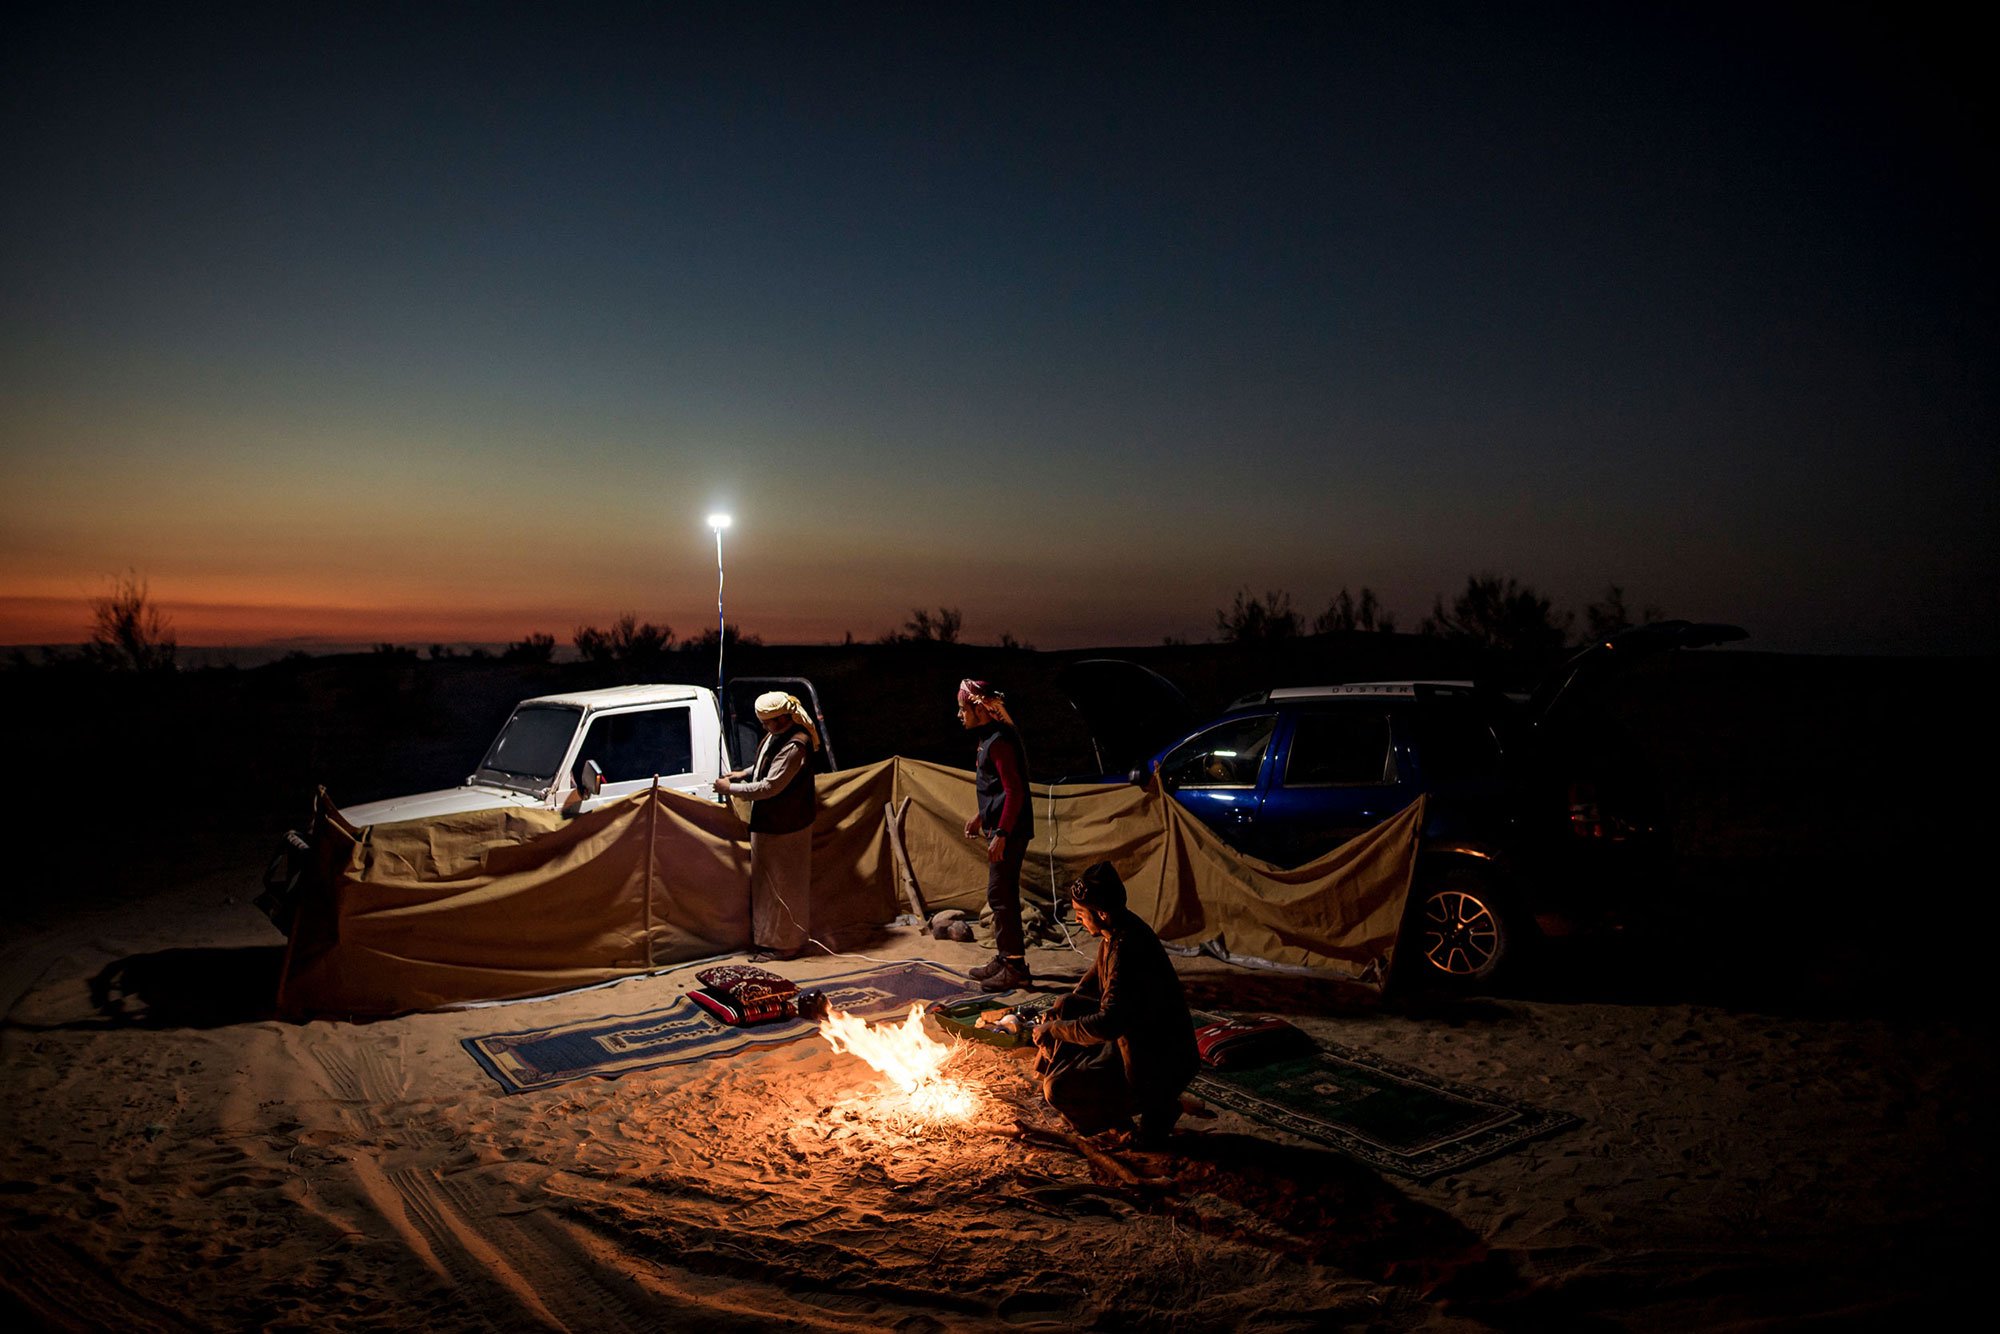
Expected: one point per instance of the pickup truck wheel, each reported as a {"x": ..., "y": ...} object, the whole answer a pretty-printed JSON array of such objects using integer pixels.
[{"x": 1456, "y": 931}]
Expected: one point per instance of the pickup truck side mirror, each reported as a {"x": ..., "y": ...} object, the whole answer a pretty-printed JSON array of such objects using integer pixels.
[{"x": 589, "y": 778}]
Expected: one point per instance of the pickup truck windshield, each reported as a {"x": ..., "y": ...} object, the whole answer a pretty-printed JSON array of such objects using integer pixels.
[{"x": 530, "y": 748}]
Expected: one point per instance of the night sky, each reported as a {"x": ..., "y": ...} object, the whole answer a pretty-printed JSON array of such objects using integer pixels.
[{"x": 438, "y": 323}]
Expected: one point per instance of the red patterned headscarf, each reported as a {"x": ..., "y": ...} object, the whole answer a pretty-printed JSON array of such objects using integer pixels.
[{"x": 982, "y": 694}]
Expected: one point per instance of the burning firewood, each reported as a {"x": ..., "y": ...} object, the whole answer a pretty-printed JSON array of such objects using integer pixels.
[{"x": 912, "y": 1059}]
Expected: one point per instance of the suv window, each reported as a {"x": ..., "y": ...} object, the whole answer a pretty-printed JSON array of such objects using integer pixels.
[
  {"x": 1340, "y": 748},
  {"x": 1457, "y": 742},
  {"x": 1226, "y": 755},
  {"x": 630, "y": 746}
]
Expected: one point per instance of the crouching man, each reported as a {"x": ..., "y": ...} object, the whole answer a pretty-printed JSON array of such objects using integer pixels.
[{"x": 1120, "y": 1046}]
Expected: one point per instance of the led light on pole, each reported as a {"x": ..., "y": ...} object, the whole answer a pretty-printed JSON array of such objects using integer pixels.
[{"x": 719, "y": 522}]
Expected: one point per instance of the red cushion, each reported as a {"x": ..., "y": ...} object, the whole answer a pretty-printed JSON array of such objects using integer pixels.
[
  {"x": 740, "y": 1013},
  {"x": 747, "y": 986},
  {"x": 1253, "y": 1039}
]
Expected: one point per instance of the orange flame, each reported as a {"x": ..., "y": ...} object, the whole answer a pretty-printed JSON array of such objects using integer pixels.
[{"x": 912, "y": 1059}]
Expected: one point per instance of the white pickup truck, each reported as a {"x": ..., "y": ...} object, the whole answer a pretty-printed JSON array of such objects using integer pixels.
[{"x": 575, "y": 752}]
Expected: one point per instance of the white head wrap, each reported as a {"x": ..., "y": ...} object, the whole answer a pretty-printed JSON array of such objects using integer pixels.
[{"x": 777, "y": 704}]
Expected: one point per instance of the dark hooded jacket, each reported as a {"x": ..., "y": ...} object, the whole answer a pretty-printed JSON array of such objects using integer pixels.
[{"x": 1133, "y": 997}]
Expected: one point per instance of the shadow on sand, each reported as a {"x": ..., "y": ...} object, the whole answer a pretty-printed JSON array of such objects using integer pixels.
[
  {"x": 1325, "y": 1209},
  {"x": 187, "y": 988},
  {"x": 1810, "y": 938}
]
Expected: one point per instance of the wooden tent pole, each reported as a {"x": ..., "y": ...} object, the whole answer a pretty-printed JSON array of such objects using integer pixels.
[
  {"x": 892, "y": 816},
  {"x": 652, "y": 831}
]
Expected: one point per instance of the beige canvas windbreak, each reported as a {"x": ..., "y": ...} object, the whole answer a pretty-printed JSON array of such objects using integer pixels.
[{"x": 494, "y": 905}]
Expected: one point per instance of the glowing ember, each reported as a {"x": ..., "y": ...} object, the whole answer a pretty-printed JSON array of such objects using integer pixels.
[{"x": 912, "y": 1059}]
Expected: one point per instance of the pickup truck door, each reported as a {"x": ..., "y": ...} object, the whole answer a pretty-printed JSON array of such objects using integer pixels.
[{"x": 631, "y": 746}]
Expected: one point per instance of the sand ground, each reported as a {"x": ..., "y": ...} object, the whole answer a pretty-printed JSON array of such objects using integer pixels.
[{"x": 173, "y": 1157}]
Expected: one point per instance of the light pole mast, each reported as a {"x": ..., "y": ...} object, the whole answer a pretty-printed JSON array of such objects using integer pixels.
[{"x": 719, "y": 522}]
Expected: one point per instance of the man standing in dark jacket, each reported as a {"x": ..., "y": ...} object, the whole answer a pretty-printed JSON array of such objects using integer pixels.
[
  {"x": 1006, "y": 820},
  {"x": 1121, "y": 1045}
]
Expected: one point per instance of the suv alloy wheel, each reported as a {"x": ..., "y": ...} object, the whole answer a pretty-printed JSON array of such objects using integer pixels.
[{"x": 1456, "y": 929}]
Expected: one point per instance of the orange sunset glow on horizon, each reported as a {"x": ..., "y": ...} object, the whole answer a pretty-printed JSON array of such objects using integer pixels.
[{"x": 779, "y": 604}]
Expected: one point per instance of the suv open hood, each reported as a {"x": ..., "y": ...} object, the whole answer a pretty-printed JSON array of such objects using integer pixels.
[
  {"x": 1130, "y": 711},
  {"x": 1615, "y": 653}
]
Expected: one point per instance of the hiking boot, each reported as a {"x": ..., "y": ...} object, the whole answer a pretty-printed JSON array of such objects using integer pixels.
[
  {"x": 986, "y": 970},
  {"x": 1011, "y": 975}
]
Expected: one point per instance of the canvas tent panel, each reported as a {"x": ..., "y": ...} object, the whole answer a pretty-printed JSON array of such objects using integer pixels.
[
  {"x": 501, "y": 904},
  {"x": 1075, "y": 825},
  {"x": 413, "y": 916},
  {"x": 852, "y": 875},
  {"x": 1339, "y": 912}
]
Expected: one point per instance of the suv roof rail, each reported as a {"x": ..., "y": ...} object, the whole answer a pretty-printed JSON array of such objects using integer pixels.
[{"x": 1353, "y": 689}]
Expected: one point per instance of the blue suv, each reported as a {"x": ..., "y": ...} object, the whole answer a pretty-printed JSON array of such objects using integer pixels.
[{"x": 1531, "y": 830}]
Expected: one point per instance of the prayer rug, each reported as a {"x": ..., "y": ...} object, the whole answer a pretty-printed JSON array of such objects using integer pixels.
[
  {"x": 1393, "y": 1117},
  {"x": 543, "y": 1057}
]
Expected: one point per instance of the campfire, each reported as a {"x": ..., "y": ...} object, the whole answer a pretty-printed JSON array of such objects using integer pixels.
[{"x": 913, "y": 1061}]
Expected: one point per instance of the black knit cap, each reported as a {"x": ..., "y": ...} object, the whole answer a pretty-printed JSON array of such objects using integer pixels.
[{"x": 1099, "y": 888}]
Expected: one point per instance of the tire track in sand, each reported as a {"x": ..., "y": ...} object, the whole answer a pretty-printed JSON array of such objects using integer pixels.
[
  {"x": 63, "y": 1291},
  {"x": 519, "y": 1261}
]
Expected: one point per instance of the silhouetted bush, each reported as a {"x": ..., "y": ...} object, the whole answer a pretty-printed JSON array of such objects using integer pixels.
[
  {"x": 1249, "y": 619},
  {"x": 1500, "y": 615},
  {"x": 631, "y": 648},
  {"x": 128, "y": 632},
  {"x": 1608, "y": 616},
  {"x": 536, "y": 647},
  {"x": 924, "y": 628},
  {"x": 1345, "y": 614}
]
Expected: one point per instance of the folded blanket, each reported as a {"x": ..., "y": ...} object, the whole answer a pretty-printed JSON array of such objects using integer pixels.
[
  {"x": 740, "y": 994},
  {"x": 1249, "y": 1040}
]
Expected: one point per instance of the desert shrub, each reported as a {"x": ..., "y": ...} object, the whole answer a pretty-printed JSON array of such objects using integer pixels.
[
  {"x": 1346, "y": 613},
  {"x": 705, "y": 642},
  {"x": 630, "y": 650},
  {"x": 1499, "y": 615},
  {"x": 128, "y": 631},
  {"x": 536, "y": 647},
  {"x": 1250, "y": 619},
  {"x": 924, "y": 627},
  {"x": 1608, "y": 615}
]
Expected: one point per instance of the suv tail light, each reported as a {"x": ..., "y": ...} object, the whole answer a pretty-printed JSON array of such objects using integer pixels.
[{"x": 1587, "y": 819}]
